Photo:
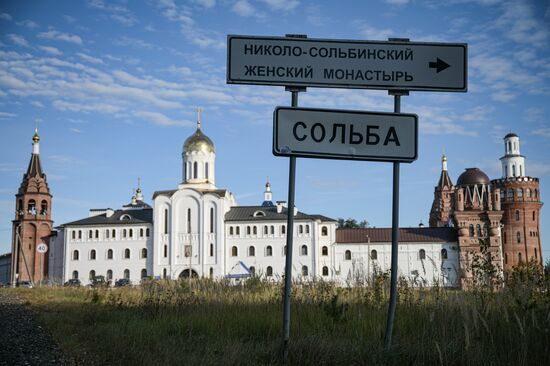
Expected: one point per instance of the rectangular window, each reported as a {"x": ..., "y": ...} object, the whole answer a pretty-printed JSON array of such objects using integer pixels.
[{"x": 166, "y": 221}]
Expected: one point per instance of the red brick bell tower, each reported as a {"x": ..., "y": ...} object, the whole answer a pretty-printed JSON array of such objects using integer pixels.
[{"x": 33, "y": 224}]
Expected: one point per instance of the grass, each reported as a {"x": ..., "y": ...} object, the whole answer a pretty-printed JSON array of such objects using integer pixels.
[{"x": 210, "y": 323}]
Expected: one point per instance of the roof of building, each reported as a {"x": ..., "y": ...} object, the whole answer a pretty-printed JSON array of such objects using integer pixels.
[
  {"x": 472, "y": 176},
  {"x": 444, "y": 180},
  {"x": 119, "y": 217},
  {"x": 137, "y": 204},
  {"x": 406, "y": 235},
  {"x": 170, "y": 192},
  {"x": 35, "y": 168},
  {"x": 198, "y": 142},
  {"x": 511, "y": 134},
  {"x": 264, "y": 213}
]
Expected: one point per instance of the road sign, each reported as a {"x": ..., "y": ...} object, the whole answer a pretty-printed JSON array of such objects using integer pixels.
[
  {"x": 345, "y": 134},
  {"x": 391, "y": 65},
  {"x": 42, "y": 248}
]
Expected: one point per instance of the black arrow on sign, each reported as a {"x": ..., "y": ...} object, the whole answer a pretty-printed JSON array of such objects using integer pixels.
[{"x": 439, "y": 65}]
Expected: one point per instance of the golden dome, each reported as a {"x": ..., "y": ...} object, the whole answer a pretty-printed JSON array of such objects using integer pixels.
[
  {"x": 36, "y": 138},
  {"x": 198, "y": 142}
]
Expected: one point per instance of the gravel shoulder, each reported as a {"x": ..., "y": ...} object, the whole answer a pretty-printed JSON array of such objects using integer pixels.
[{"x": 22, "y": 340}]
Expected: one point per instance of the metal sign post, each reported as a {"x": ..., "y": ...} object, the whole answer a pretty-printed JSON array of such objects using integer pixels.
[{"x": 41, "y": 249}]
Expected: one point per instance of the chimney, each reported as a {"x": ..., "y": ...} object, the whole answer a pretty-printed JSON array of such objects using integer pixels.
[{"x": 280, "y": 205}]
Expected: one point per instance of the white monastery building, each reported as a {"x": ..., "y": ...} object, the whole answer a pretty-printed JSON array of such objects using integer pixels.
[{"x": 198, "y": 229}]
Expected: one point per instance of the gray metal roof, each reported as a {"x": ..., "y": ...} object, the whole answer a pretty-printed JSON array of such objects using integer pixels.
[
  {"x": 406, "y": 235},
  {"x": 246, "y": 213},
  {"x": 144, "y": 216},
  {"x": 170, "y": 192}
]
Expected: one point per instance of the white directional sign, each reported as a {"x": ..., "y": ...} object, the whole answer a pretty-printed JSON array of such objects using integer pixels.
[
  {"x": 392, "y": 65},
  {"x": 344, "y": 134},
  {"x": 42, "y": 248}
]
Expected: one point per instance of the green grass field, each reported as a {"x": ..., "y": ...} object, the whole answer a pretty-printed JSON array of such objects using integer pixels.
[{"x": 209, "y": 323}]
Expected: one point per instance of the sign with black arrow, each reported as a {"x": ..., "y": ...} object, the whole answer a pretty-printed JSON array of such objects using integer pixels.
[{"x": 309, "y": 62}]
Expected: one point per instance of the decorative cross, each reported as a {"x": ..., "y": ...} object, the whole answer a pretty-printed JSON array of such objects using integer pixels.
[{"x": 199, "y": 110}]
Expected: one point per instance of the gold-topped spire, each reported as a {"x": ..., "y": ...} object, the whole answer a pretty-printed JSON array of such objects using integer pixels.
[
  {"x": 199, "y": 110},
  {"x": 138, "y": 190},
  {"x": 36, "y": 138},
  {"x": 443, "y": 157}
]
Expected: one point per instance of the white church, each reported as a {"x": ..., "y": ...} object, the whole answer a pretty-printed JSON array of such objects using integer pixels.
[{"x": 198, "y": 229}]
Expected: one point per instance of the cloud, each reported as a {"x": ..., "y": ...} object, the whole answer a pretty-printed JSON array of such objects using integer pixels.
[
  {"x": 373, "y": 33},
  {"x": 5, "y": 16},
  {"x": 6, "y": 115},
  {"x": 28, "y": 23},
  {"x": 51, "y": 50},
  {"x": 75, "y": 130},
  {"x": 397, "y": 2},
  {"x": 133, "y": 42},
  {"x": 244, "y": 9},
  {"x": 38, "y": 104},
  {"x": 69, "y": 19},
  {"x": 18, "y": 40},
  {"x": 60, "y": 36},
  {"x": 162, "y": 120},
  {"x": 518, "y": 22},
  {"x": 544, "y": 132},
  {"x": 90, "y": 59},
  {"x": 285, "y": 5},
  {"x": 85, "y": 107},
  {"x": 538, "y": 169},
  {"x": 206, "y": 3},
  {"x": 182, "y": 70},
  {"x": 115, "y": 12}
]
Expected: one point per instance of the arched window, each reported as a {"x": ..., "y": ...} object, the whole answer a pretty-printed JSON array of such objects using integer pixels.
[
  {"x": 211, "y": 249},
  {"x": 113, "y": 232},
  {"x": 31, "y": 207},
  {"x": 126, "y": 253},
  {"x": 251, "y": 251},
  {"x": 269, "y": 251},
  {"x": 422, "y": 254},
  {"x": 124, "y": 233},
  {"x": 505, "y": 258},
  {"x": 443, "y": 253},
  {"x": 272, "y": 230},
  {"x": 90, "y": 234},
  {"x": 307, "y": 229},
  {"x": 75, "y": 275},
  {"x": 92, "y": 274},
  {"x": 536, "y": 193},
  {"x": 109, "y": 275},
  {"x": 519, "y": 258},
  {"x": 164, "y": 273},
  {"x": 107, "y": 232},
  {"x": 166, "y": 221},
  {"x": 144, "y": 253},
  {"x": 528, "y": 193},
  {"x": 517, "y": 215},
  {"x": 206, "y": 170},
  {"x": 73, "y": 234},
  {"x": 519, "y": 193},
  {"x": 97, "y": 234},
  {"x": 79, "y": 234},
  {"x": 303, "y": 250},
  {"x": 20, "y": 207},
  {"x": 471, "y": 227},
  {"x": 165, "y": 251},
  {"x": 518, "y": 237},
  {"x": 211, "y": 272},
  {"x": 188, "y": 220},
  {"x": 252, "y": 270},
  {"x": 324, "y": 231},
  {"x": 255, "y": 230},
  {"x": 131, "y": 233},
  {"x": 110, "y": 254},
  {"x": 143, "y": 273},
  {"x": 284, "y": 250},
  {"x": 373, "y": 254},
  {"x": 231, "y": 230},
  {"x": 283, "y": 230},
  {"x": 266, "y": 230},
  {"x": 147, "y": 232},
  {"x": 324, "y": 251},
  {"x": 269, "y": 271},
  {"x": 510, "y": 193},
  {"x": 238, "y": 230},
  {"x": 347, "y": 255},
  {"x": 75, "y": 255},
  {"x": 127, "y": 274},
  {"x": 248, "y": 230},
  {"x": 304, "y": 271},
  {"x": 514, "y": 170},
  {"x": 502, "y": 195},
  {"x": 195, "y": 170},
  {"x": 212, "y": 223},
  {"x": 92, "y": 254},
  {"x": 234, "y": 251},
  {"x": 300, "y": 229},
  {"x": 534, "y": 216},
  {"x": 141, "y": 233},
  {"x": 478, "y": 230},
  {"x": 325, "y": 271},
  {"x": 43, "y": 208}
]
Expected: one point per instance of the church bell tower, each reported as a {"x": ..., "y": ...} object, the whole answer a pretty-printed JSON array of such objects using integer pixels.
[{"x": 32, "y": 224}]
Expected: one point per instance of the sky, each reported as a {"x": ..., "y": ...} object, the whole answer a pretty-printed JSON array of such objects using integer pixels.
[{"x": 113, "y": 87}]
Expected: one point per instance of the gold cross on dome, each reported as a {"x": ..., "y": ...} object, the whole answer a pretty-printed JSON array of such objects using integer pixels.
[{"x": 199, "y": 110}]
